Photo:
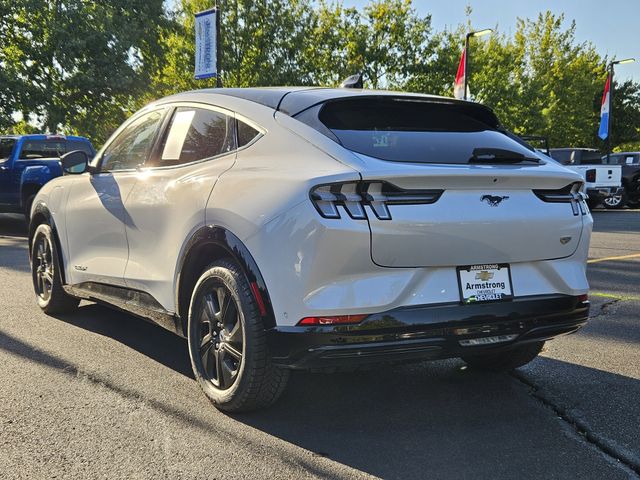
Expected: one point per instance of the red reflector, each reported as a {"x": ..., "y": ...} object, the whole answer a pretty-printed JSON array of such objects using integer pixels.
[
  {"x": 256, "y": 293},
  {"x": 339, "y": 319},
  {"x": 583, "y": 298}
]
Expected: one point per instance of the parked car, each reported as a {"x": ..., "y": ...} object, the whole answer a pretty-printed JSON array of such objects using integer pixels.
[
  {"x": 603, "y": 183},
  {"x": 630, "y": 165},
  {"x": 313, "y": 228},
  {"x": 27, "y": 162}
]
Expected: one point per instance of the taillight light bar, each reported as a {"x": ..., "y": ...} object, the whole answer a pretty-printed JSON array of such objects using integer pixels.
[
  {"x": 332, "y": 320},
  {"x": 377, "y": 195},
  {"x": 569, "y": 194}
]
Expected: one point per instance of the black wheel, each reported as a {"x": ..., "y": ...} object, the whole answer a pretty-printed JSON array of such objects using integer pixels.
[
  {"x": 615, "y": 201},
  {"x": 46, "y": 274},
  {"x": 505, "y": 360},
  {"x": 27, "y": 207},
  {"x": 227, "y": 342}
]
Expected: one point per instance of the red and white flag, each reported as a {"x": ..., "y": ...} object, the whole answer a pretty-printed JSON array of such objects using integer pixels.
[{"x": 458, "y": 86}]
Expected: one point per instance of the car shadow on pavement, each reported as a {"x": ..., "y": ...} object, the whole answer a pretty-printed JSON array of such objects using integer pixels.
[
  {"x": 435, "y": 420},
  {"x": 147, "y": 338},
  {"x": 13, "y": 226}
]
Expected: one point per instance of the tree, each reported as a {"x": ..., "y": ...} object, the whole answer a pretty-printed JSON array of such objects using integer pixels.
[
  {"x": 386, "y": 43},
  {"x": 77, "y": 66}
]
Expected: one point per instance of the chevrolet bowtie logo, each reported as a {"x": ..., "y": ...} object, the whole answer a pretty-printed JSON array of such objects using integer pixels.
[{"x": 484, "y": 275}]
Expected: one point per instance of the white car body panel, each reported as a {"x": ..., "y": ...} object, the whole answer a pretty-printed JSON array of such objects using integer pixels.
[
  {"x": 95, "y": 227},
  {"x": 314, "y": 265}
]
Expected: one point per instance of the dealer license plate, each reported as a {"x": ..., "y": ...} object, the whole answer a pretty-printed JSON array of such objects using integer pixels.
[{"x": 485, "y": 283}]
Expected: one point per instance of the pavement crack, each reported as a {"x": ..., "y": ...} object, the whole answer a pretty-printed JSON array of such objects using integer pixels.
[{"x": 582, "y": 429}]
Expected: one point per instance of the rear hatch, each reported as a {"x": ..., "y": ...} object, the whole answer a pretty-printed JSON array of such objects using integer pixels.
[{"x": 444, "y": 185}]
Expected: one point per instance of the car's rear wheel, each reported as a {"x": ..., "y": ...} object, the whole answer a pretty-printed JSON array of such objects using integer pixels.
[
  {"x": 615, "y": 201},
  {"x": 46, "y": 274},
  {"x": 505, "y": 360},
  {"x": 227, "y": 342}
]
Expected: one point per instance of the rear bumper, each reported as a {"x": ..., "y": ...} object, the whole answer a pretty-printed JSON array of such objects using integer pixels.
[
  {"x": 428, "y": 332},
  {"x": 604, "y": 192}
]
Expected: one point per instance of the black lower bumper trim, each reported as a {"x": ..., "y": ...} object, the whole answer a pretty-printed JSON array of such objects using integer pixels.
[{"x": 428, "y": 332}]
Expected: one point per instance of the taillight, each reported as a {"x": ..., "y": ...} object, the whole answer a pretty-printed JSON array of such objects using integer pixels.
[
  {"x": 332, "y": 320},
  {"x": 591, "y": 175},
  {"x": 570, "y": 194},
  {"x": 353, "y": 197}
]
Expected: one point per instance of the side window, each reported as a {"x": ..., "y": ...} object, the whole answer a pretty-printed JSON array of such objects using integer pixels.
[
  {"x": 196, "y": 134},
  {"x": 132, "y": 146},
  {"x": 246, "y": 134}
]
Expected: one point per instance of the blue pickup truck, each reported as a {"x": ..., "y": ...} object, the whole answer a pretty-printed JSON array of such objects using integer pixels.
[{"x": 27, "y": 162}]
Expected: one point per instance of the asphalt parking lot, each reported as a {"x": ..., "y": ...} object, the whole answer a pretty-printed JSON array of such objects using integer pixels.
[{"x": 100, "y": 394}]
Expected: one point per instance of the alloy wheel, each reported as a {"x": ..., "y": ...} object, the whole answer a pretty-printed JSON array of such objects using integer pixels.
[
  {"x": 613, "y": 201},
  {"x": 43, "y": 267},
  {"x": 221, "y": 337}
]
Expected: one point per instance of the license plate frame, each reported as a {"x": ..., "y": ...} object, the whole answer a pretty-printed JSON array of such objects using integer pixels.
[{"x": 485, "y": 274}]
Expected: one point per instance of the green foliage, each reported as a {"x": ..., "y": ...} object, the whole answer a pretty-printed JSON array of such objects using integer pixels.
[
  {"x": 83, "y": 66},
  {"x": 77, "y": 66}
]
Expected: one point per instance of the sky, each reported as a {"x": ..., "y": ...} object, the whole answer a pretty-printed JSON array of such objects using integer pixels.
[{"x": 611, "y": 25}]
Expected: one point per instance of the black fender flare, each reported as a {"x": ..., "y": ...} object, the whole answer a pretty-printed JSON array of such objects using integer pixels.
[
  {"x": 220, "y": 237},
  {"x": 41, "y": 210}
]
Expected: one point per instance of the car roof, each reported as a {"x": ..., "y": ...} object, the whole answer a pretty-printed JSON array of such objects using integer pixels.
[
  {"x": 293, "y": 100},
  {"x": 572, "y": 149}
]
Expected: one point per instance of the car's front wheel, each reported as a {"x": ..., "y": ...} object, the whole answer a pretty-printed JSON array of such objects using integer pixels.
[
  {"x": 47, "y": 275},
  {"x": 227, "y": 342},
  {"x": 505, "y": 360}
]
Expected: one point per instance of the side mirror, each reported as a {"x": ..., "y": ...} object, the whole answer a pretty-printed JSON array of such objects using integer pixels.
[{"x": 75, "y": 162}]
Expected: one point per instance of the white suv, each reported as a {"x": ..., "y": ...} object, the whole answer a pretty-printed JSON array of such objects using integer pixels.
[{"x": 289, "y": 228}]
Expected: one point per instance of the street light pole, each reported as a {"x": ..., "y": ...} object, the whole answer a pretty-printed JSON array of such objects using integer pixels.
[
  {"x": 477, "y": 33},
  {"x": 610, "y": 119}
]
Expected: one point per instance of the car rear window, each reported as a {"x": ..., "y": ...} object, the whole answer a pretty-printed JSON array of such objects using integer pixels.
[
  {"x": 416, "y": 131},
  {"x": 33, "y": 149},
  {"x": 6, "y": 147}
]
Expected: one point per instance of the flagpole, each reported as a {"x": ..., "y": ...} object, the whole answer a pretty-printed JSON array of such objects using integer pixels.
[
  {"x": 466, "y": 63},
  {"x": 609, "y": 119},
  {"x": 466, "y": 55},
  {"x": 610, "y": 112}
]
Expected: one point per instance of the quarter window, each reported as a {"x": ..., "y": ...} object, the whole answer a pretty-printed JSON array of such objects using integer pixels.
[
  {"x": 132, "y": 146},
  {"x": 196, "y": 134},
  {"x": 246, "y": 134}
]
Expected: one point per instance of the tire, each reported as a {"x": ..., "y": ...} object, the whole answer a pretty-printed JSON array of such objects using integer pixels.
[
  {"x": 506, "y": 360},
  {"x": 46, "y": 274},
  {"x": 615, "y": 202},
  {"x": 227, "y": 342},
  {"x": 27, "y": 207}
]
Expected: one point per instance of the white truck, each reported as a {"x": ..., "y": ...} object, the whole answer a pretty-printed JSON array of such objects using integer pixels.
[{"x": 603, "y": 183}]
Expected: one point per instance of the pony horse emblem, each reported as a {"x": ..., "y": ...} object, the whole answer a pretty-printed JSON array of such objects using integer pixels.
[{"x": 493, "y": 200}]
